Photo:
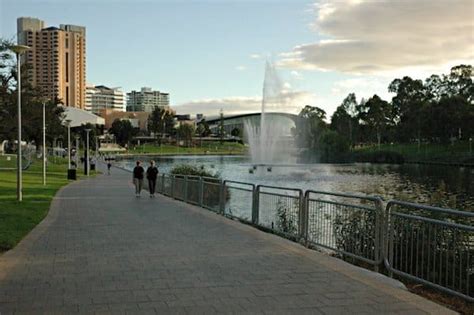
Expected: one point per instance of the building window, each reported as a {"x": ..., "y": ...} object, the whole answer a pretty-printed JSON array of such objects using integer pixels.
[
  {"x": 67, "y": 67},
  {"x": 67, "y": 95}
]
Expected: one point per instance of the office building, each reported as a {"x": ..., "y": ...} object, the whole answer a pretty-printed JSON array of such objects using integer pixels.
[
  {"x": 146, "y": 100},
  {"x": 101, "y": 97},
  {"x": 56, "y": 60}
]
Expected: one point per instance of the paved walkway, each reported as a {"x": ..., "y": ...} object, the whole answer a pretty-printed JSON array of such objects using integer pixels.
[{"x": 101, "y": 250}]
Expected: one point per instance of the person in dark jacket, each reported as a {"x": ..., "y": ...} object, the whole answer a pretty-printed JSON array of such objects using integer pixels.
[
  {"x": 138, "y": 172},
  {"x": 151, "y": 175}
]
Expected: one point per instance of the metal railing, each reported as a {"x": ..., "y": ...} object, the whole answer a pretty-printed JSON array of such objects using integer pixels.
[
  {"x": 280, "y": 209},
  {"x": 239, "y": 199},
  {"x": 430, "y": 245},
  {"x": 344, "y": 223}
]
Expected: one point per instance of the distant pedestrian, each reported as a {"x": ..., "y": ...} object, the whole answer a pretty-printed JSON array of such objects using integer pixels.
[
  {"x": 151, "y": 175},
  {"x": 109, "y": 166},
  {"x": 138, "y": 172}
]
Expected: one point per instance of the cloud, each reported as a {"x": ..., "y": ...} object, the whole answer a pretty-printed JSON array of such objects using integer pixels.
[
  {"x": 363, "y": 87},
  {"x": 255, "y": 56},
  {"x": 241, "y": 68},
  {"x": 287, "y": 101},
  {"x": 366, "y": 36}
]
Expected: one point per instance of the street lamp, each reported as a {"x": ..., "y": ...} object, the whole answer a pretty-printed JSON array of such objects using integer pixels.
[
  {"x": 87, "y": 150},
  {"x": 18, "y": 50},
  {"x": 68, "y": 124},
  {"x": 44, "y": 142},
  {"x": 77, "y": 151}
]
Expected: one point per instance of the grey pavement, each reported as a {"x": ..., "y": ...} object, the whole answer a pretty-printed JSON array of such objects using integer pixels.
[{"x": 101, "y": 250}]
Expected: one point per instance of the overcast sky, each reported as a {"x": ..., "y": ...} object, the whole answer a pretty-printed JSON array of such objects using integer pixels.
[{"x": 210, "y": 55}]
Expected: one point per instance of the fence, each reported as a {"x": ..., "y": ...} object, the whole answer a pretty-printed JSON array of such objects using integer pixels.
[{"x": 429, "y": 245}]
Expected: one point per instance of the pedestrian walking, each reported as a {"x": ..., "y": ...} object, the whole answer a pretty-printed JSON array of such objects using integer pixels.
[
  {"x": 138, "y": 172},
  {"x": 151, "y": 175},
  {"x": 109, "y": 166}
]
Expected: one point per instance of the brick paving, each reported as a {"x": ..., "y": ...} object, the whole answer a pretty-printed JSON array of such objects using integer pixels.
[{"x": 100, "y": 250}]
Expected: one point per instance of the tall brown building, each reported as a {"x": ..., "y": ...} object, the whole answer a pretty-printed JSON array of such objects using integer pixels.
[{"x": 57, "y": 59}]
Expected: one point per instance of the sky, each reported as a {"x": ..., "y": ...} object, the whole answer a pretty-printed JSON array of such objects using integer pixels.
[{"x": 210, "y": 55}]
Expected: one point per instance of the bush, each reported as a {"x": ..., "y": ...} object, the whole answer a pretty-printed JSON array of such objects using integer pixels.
[
  {"x": 193, "y": 170},
  {"x": 379, "y": 157}
]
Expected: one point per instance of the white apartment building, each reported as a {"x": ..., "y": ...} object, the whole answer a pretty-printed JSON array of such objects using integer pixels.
[
  {"x": 101, "y": 97},
  {"x": 146, "y": 100}
]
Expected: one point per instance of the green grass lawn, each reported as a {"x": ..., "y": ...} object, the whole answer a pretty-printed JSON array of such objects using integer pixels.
[
  {"x": 19, "y": 218},
  {"x": 457, "y": 152},
  {"x": 207, "y": 147}
]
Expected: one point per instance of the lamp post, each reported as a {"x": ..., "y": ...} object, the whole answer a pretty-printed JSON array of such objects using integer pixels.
[
  {"x": 18, "y": 50},
  {"x": 87, "y": 151},
  {"x": 44, "y": 142},
  {"x": 77, "y": 151},
  {"x": 68, "y": 124}
]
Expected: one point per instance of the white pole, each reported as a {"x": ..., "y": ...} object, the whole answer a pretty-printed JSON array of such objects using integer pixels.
[
  {"x": 87, "y": 150},
  {"x": 69, "y": 145},
  {"x": 44, "y": 143},
  {"x": 19, "y": 186}
]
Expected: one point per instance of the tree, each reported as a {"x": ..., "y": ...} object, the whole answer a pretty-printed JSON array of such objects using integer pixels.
[
  {"x": 161, "y": 120},
  {"x": 310, "y": 125},
  {"x": 186, "y": 132},
  {"x": 123, "y": 131},
  {"x": 376, "y": 114},
  {"x": 32, "y": 108},
  {"x": 344, "y": 119},
  {"x": 407, "y": 105},
  {"x": 235, "y": 132}
]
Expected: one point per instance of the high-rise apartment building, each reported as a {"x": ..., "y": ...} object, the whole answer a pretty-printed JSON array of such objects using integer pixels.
[
  {"x": 57, "y": 59},
  {"x": 146, "y": 100},
  {"x": 101, "y": 97}
]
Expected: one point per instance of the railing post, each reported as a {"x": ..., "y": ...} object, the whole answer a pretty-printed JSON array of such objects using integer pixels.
[
  {"x": 304, "y": 203},
  {"x": 163, "y": 184},
  {"x": 222, "y": 197},
  {"x": 172, "y": 186},
  {"x": 255, "y": 207},
  {"x": 379, "y": 234},
  {"x": 201, "y": 191},
  {"x": 185, "y": 188}
]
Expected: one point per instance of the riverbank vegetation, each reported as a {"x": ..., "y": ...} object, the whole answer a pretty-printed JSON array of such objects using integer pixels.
[
  {"x": 425, "y": 120},
  {"x": 211, "y": 147}
]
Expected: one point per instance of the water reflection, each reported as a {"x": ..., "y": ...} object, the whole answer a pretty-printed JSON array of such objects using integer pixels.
[{"x": 434, "y": 185}]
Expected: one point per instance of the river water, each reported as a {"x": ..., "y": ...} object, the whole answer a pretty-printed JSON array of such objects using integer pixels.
[{"x": 427, "y": 184}]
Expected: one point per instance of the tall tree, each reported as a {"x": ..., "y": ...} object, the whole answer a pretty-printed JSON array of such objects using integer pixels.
[
  {"x": 123, "y": 131},
  {"x": 186, "y": 132},
  {"x": 161, "y": 121},
  {"x": 376, "y": 114}
]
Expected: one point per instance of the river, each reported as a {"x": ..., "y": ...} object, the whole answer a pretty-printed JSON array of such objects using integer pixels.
[{"x": 427, "y": 184}]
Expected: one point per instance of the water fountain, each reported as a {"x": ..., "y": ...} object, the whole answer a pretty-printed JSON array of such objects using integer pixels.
[{"x": 265, "y": 138}]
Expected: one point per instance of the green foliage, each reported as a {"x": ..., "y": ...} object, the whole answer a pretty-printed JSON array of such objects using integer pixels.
[
  {"x": 287, "y": 218},
  {"x": 333, "y": 147},
  {"x": 185, "y": 132},
  {"x": 123, "y": 131},
  {"x": 32, "y": 108},
  {"x": 187, "y": 169},
  {"x": 161, "y": 120},
  {"x": 236, "y": 132},
  {"x": 203, "y": 129},
  {"x": 381, "y": 156}
]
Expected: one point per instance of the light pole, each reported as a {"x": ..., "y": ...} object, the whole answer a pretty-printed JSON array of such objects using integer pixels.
[
  {"x": 18, "y": 50},
  {"x": 87, "y": 150},
  {"x": 44, "y": 142},
  {"x": 77, "y": 151},
  {"x": 68, "y": 124}
]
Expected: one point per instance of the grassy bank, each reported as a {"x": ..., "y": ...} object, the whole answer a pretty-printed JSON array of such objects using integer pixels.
[
  {"x": 458, "y": 152},
  {"x": 19, "y": 218},
  {"x": 206, "y": 148}
]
